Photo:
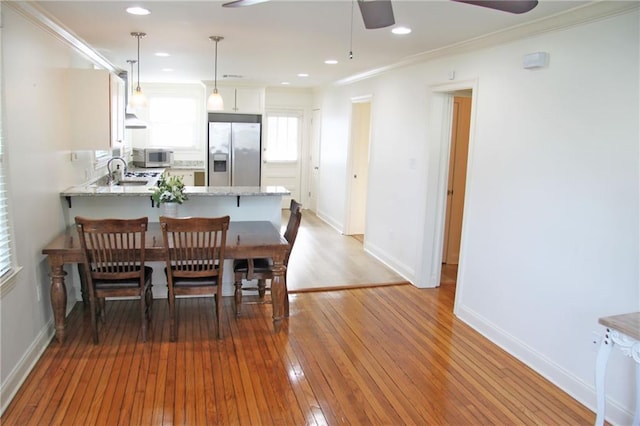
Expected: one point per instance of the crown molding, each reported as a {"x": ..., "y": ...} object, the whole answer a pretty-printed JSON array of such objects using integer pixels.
[
  {"x": 39, "y": 17},
  {"x": 580, "y": 15}
]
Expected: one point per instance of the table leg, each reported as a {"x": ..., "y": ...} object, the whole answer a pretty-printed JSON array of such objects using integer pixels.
[
  {"x": 636, "y": 417},
  {"x": 601, "y": 369},
  {"x": 58, "y": 298},
  {"x": 278, "y": 290}
]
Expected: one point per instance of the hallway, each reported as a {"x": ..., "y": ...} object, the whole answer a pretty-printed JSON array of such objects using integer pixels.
[{"x": 322, "y": 258}]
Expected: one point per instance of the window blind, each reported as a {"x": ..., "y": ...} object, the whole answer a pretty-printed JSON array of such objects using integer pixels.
[{"x": 6, "y": 254}]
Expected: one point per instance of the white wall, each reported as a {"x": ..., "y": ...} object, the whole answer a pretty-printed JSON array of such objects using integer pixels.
[
  {"x": 35, "y": 130},
  {"x": 550, "y": 235}
]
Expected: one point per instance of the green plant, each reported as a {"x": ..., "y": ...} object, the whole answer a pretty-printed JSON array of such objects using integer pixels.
[{"x": 169, "y": 190}]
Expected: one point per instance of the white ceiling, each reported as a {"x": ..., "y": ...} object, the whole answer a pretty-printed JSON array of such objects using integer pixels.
[{"x": 272, "y": 42}]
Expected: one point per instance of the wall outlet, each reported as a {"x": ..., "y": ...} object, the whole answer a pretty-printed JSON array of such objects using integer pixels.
[
  {"x": 74, "y": 156},
  {"x": 596, "y": 338}
]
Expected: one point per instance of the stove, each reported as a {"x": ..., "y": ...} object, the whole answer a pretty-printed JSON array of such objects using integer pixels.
[{"x": 141, "y": 174}]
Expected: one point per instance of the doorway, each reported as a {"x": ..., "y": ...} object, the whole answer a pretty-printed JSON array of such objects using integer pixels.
[
  {"x": 359, "y": 167},
  {"x": 456, "y": 185}
]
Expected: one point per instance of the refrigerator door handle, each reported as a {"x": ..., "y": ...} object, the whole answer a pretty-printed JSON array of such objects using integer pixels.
[{"x": 232, "y": 164}]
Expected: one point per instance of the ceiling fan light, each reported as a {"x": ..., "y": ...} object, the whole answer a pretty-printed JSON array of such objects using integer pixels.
[
  {"x": 215, "y": 102},
  {"x": 138, "y": 99}
]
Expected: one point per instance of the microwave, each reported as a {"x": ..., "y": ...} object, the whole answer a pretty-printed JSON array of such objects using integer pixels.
[{"x": 152, "y": 157}]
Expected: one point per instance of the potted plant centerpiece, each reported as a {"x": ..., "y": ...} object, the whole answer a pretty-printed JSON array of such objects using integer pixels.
[{"x": 170, "y": 192}]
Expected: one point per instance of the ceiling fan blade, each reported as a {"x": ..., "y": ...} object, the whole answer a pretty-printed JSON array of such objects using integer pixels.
[
  {"x": 511, "y": 6},
  {"x": 242, "y": 3},
  {"x": 376, "y": 13}
]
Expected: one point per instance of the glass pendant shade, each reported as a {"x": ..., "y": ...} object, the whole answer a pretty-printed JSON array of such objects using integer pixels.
[
  {"x": 215, "y": 103},
  {"x": 137, "y": 99}
]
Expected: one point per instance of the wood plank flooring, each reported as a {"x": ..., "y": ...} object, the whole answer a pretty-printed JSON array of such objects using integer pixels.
[
  {"x": 373, "y": 354},
  {"x": 322, "y": 258},
  {"x": 385, "y": 355}
]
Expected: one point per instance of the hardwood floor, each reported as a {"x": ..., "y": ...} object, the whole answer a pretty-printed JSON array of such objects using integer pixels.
[
  {"x": 375, "y": 356},
  {"x": 322, "y": 258},
  {"x": 382, "y": 355}
]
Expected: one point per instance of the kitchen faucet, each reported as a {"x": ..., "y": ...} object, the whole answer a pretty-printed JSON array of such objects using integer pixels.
[{"x": 110, "y": 177}]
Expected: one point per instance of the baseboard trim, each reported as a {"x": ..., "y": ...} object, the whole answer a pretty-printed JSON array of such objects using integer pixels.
[
  {"x": 569, "y": 383},
  {"x": 16, "y": 378}
]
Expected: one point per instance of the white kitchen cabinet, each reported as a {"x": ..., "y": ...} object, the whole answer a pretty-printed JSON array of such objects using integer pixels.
[
  {"x": 96, "y": 103},
  {"x": 242, "y": 100},
  {"x": 188, "y": 176}
]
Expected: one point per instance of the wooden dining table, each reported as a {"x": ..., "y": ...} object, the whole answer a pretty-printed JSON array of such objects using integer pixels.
[{"x": 251, "y": 239}]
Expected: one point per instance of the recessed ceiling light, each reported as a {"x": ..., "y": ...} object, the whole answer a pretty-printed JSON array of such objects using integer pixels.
[
  {"x": 167, "y": 69},
  {"x": 401, "y": 30},
  {"x": 303, "y": 74},
  {"x": 285, "y": 83},
  {"x": 162, "y": 54},
  {"x": 136, "y": 10},
  {"x": 330, "y": 62}
]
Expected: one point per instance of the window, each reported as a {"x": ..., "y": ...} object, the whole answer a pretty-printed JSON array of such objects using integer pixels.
[
  {"x": 173, "y": 121},
  {"x": 7, "y": 265},
  {"x": 284, "y": 131}
]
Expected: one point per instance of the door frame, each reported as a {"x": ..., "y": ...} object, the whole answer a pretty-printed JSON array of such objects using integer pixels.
[{"x": 440, "y": 107}]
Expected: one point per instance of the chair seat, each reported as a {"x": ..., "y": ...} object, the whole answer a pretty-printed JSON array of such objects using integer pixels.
[
  {"x": 193, "y": 281},
  {"x": 123, "y": 283},
  {"x": 259, "y": 265}
]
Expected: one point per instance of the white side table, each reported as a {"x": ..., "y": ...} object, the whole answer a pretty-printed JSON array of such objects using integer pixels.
[{"x": 624, "y": 331}]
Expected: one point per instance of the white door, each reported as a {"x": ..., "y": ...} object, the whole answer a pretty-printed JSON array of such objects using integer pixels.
[
  {"x": 314, "y": 160},
  {"x": 359, "y": 166}
]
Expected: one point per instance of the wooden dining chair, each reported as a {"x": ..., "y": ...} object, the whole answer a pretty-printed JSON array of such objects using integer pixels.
[
  {"x": 194, "y": 254},
  {"x": 260, "y": 269},
  {"x": 113, "y": 253}
]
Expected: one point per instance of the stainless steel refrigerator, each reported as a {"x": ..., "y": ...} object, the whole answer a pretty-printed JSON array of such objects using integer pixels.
[{"x": 234, "y": 150}]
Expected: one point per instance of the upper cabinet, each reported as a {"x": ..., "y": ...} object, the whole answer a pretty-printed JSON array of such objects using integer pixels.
[
  {"x": 242, "y": 100},
  {"x": 96, "y": 104}
]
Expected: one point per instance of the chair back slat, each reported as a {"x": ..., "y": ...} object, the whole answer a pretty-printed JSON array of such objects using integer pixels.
[
  {"x": 293, "y": 225},
  {"x": 195, "y": 246},
  {"x": 115, "y": 248}
]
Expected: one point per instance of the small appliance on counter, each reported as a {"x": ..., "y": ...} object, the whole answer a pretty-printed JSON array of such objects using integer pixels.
[{"x": 152, "y": 157}]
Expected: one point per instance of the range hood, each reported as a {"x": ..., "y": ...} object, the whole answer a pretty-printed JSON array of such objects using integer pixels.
[{"x": 131, "y": 121}]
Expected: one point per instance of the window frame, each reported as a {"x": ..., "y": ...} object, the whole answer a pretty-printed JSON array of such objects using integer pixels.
[
  {"x": 8, "y": 277},
  {"x": 290, "y": 113}
]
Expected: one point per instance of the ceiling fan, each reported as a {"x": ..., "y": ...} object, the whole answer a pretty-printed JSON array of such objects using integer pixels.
[{"x": 379, "y": 13}]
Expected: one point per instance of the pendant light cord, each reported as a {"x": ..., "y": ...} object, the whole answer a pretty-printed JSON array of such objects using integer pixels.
[
  {"x": 138, "y": 36},
  {"x": 351, "y": 35},
  {"x": 215, "y": 39},
  {"x": 138, "y": 87},
  {"x": 215, "y": 71}
]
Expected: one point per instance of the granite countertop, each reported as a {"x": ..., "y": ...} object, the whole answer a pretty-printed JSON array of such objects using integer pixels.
[{"x": 132, "y": 188}]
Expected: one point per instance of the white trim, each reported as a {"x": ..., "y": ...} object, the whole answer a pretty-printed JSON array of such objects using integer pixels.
[
  {"x": 546, "y": 367},
  {"x": 440, "y": 108},
  {"x": 9, "y": 282},
  {"x": 19, "y": 374},
  {"x": 39, "y": 17}
]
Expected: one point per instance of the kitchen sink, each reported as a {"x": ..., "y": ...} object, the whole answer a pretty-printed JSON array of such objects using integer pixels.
[{"x": 132, "y": 183}]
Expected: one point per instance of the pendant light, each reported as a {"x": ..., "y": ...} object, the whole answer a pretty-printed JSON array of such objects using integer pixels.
[
  {"x": 138, "y": 99},
  {"x": 131, "y": 121},
  {"x": 215, "y": 103}
]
